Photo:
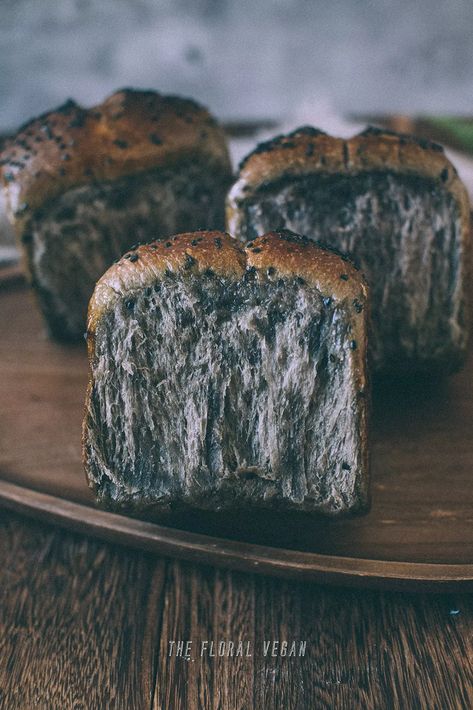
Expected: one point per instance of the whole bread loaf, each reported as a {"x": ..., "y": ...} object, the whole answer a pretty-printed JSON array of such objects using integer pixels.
[
  {"x": 83, "y": 185},
  {"x": 223, "y": 375},
  {"x": 397, "y": 207}
]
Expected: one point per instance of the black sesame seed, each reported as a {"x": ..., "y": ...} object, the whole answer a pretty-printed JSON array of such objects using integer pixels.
[
  {"x": 78, "y": 121},
  {"x": 300, "y": 281},
  {"x": 353, "y": 345},
  {"x": 256, "y": 250},
  {"x": 332, "y": 358},
  {"x": 194, "y": 243},
  {"x": 9, "y": 177},
  {"x": 168, "y": 244},
  {"x": 208, "y": 272},
  {"x": 168, "y": 273},
  {"x": 155, "y": 139},
  {"x": 130, "y": 304},
  {"x": 346, "y": 466},
  {"x": 65, "y": 156},
  {"x": 218, "y": 242},
  {"x": 134, "y": 257},
  {"x": 358, "y": 306},
  {"x": 344, "y": 277},
  {"x": 189, "y": 261},
  {"x": 444, "y": 175},
  {"x": 309, "y": 151},
  {"x": 121, "y": 143},
  {"x": 271, "y": 271},
  {"x": 327, "y": 301}
]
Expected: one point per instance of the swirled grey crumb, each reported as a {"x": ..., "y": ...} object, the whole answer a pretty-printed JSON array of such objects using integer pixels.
[{"x": 220, "y": 394}]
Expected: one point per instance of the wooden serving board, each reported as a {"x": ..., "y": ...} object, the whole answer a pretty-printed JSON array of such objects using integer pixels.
[{"x": 418, "y": 535}]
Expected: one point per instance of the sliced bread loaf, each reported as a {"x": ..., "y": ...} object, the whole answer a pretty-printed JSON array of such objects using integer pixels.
[{"x": 223, "y": 376}]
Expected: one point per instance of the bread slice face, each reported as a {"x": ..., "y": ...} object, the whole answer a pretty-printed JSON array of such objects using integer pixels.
[
  {"x": 84, "y": 185},
  {"x": 396, "y": 206},
  {"x": 224, "y": 376}
]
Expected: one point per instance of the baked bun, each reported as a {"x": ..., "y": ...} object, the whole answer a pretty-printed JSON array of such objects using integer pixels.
[
  {"x": 224, "y": 375},
  {"x": 396, "y": 206},
  {"x": 83, "y": 185}
]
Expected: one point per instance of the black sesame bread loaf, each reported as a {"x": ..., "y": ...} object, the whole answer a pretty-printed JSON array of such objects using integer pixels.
[
  {"x": 397, "y": 207},
  {"x": 84, "y": 185},
  {"x": 223, "y": 376}
]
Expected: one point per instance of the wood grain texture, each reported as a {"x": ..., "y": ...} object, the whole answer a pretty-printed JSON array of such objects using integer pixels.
[
  {"x": 86, "y": 625},
  {"x": 78, "y": 621}
]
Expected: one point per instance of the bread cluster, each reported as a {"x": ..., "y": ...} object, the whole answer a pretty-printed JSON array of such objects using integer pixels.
[
  {"x": 230, "y": 368},
  {"x": 236, "y": 373}
]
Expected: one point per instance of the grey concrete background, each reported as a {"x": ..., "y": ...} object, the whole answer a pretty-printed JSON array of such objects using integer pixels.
[{"x": 244, "y": 58}]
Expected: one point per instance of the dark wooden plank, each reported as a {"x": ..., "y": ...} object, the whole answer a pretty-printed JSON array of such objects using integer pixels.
[
  {"x": 368, "y": 650},
  {"x": 234, "y": 619},
  {"x": 87, "y": 625},
  {"x": 79, "y": 620}
]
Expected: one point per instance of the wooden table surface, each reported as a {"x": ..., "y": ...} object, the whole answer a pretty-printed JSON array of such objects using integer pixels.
[{"x": 86, "y": 625}]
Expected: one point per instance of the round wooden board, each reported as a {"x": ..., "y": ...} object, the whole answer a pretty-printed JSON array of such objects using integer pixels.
[{"x": 418, "y": 535}]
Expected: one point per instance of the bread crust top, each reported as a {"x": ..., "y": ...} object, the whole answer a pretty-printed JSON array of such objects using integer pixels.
[
  {"x": 274, "y": 255},
  {"x": 308, "y": 151},
  {"x": 131, "y": 131}
]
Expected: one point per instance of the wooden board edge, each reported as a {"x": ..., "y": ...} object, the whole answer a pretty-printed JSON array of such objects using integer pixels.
[{"x": 230, "y": 554}]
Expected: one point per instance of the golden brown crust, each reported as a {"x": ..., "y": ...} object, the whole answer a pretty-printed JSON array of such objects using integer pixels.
[
  {"x": 308, "y": 151},
  {"x": 141, "y": 267},
  {"x": 131, "y": 131},
  {"x": 287, "y": 254},
  {"x": 292, "y": 255}
]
